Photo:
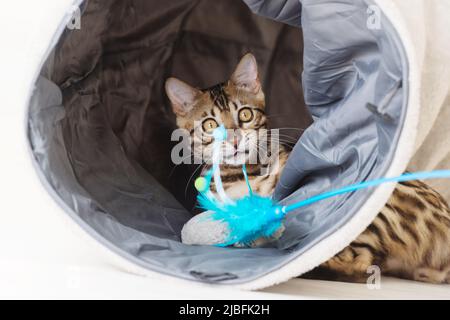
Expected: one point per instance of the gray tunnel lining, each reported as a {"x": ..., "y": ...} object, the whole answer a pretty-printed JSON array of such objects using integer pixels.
[{"x": 342, "y": 74}]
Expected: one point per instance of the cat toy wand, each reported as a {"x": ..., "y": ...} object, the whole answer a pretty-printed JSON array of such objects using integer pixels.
[{"x": 227, "y": 222}]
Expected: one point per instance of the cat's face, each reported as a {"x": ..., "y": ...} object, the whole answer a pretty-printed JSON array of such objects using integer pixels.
[{"x": 238, "y": 105}]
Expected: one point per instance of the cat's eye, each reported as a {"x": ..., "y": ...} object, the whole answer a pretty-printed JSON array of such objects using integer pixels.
[
  {"x": 246, "y": 115},
  {"x": 209, "y": 125}
]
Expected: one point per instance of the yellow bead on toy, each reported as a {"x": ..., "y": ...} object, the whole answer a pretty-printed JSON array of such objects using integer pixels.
[{"x": 201, "y": 184}]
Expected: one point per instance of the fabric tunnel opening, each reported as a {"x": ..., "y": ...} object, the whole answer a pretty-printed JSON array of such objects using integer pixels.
[{"x": 100, "y": 124}]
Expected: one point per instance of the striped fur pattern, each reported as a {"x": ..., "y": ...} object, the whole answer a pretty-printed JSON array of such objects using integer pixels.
[
  {"x": 239, "y": 105},
  {"x": 410, "y": 238}
]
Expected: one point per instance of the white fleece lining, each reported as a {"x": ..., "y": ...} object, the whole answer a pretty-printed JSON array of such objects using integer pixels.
[{"x": 337, "y": 241}]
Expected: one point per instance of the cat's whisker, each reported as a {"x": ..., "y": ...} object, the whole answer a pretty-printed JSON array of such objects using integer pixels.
[
  {"x": 284, "y": 140},
  {"x": 289, "y": 145},
  {"x": 291, "y": 128},
  {"x": 270, "y": 133},
  {"x": 190, "y": 178},
  {"x": 281, "y": 141},
  {"x": 279, "y": 115},
  {"x": 284, "y": 134},
  {"x": 286, "y": 137},
  {"x": 181, "y": 162},
  {"x": 193, "y": 174}
]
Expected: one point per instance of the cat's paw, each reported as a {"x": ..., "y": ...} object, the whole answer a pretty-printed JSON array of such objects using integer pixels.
[
  {"x": 240, "y": 245},
  {"x": 279, "y": 233},
  {"x": 253, "y": 244},
  {"x": 430, "y": 275}
]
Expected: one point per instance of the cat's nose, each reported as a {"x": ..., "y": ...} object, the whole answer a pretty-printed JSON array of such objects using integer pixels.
[
  {"x": 234, "y": 139},
  {"x": 235, "y": 142}
]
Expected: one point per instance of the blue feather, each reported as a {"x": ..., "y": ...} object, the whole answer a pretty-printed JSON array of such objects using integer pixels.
[{"x": 248, "y": 219}]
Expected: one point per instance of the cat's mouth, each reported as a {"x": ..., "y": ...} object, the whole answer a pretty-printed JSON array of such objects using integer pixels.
[{"x": 236, "y": 157}]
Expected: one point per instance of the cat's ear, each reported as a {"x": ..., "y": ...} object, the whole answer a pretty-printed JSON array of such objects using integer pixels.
[
  {"x": 246, "y": 74},
  {"x": 181, "y": 95}
]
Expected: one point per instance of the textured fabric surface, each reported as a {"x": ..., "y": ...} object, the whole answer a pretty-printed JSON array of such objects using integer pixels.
[{"x": 112, "y": 73}]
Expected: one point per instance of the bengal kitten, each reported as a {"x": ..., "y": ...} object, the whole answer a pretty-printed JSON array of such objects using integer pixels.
[{"x": 409, "y": 238}]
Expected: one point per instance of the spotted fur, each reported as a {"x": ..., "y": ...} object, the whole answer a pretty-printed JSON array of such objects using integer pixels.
[{"x": 410, "y": 237}]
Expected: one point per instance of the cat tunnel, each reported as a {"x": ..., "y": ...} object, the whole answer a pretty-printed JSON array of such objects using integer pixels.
[{"x": 343, "y": 81}]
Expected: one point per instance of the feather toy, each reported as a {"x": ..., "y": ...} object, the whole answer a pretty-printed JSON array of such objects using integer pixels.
[{"x": 227, "y": 222}]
